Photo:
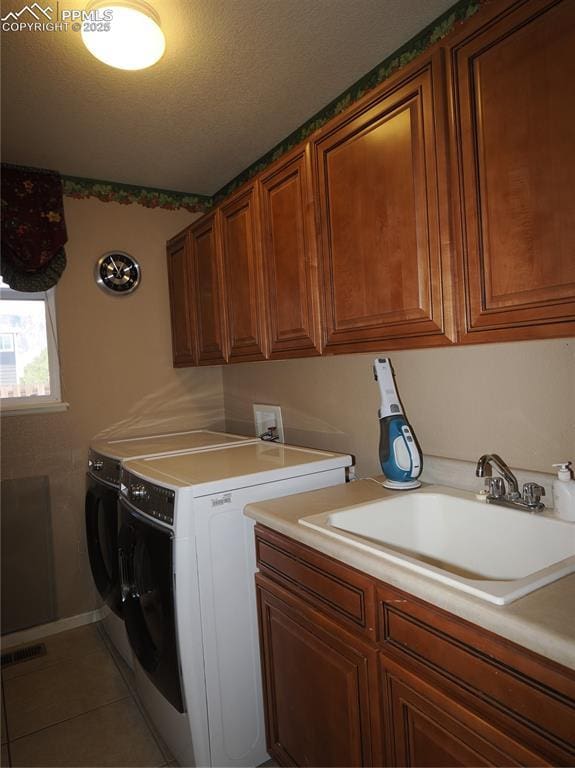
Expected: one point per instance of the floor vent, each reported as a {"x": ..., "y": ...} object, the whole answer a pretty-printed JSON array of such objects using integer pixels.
[{"x": 23, "y": 654}]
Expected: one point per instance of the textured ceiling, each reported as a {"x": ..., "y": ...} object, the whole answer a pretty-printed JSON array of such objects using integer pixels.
[{"x": 238, "y": 76}]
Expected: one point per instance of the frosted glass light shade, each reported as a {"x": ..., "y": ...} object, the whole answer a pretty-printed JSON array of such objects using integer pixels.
[{"x": 134, "y": 40}]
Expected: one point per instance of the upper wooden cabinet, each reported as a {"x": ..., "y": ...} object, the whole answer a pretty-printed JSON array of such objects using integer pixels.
[
  {"x": 208, "y": 292},
  {"x": 241, "y": 250},
  {"x": 289, "y": 256},
  {"x": 383, "y": 204},
  {"x": 179, "y": 279},
  {"x": 514, "y": 118},
  {"x": 437, "y": 209}
]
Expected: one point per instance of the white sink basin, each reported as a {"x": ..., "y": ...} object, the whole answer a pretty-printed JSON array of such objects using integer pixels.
[{"x": 493, "y": 552}]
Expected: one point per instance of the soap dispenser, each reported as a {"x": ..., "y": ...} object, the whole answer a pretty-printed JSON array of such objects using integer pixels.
[{"x": 564, "y": 492}]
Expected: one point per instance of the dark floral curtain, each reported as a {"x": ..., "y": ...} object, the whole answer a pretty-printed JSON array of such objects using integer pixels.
[{"x": 33, "y": 228}]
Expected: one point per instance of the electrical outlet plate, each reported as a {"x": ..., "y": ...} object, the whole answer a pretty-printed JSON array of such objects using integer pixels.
[{"x": 266, "y": 416}]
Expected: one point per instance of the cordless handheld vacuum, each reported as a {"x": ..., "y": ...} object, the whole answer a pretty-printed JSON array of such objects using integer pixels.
[{"x": 399, "y": 452}]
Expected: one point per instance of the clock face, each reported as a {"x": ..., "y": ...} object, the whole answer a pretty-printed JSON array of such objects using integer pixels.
[{"x": 118, "y": 272}]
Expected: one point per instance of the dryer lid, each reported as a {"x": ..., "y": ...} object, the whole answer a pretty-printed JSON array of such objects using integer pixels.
[
  {"x": 150, "y": 445},
  {"x": 236, "y": 467}
]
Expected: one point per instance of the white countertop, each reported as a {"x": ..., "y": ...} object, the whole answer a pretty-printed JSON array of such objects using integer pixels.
[{"x": 543, "y": 622}]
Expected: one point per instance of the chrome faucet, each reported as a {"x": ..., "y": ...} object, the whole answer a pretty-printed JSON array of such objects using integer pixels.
[
  {"x": 497, "y": 493},
  {"x": 493, "y": 458}
]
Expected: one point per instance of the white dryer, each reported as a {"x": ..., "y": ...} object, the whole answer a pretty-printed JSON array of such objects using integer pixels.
[
  {"x": 101, "y": 516},
  {"x": 187, "y": 559}
]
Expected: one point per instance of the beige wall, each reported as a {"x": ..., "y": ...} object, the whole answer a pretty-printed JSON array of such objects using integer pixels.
[
  {"x": 515, "y": 399},
  {"x": 117, "y": 375}
]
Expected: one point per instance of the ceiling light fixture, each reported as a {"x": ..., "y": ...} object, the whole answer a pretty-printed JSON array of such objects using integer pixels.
[{"x": 134, "y": 39}]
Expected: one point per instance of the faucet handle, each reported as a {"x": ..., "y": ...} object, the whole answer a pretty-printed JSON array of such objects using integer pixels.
[
  {"x": 532, "y": 493},
  {"x": 495, "y": 487}
]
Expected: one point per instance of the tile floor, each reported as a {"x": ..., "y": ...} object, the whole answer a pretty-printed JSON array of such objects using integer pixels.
[{"x": 75, "y": 707}]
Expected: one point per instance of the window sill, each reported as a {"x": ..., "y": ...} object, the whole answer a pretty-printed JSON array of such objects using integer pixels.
[{"x": 20, "y": 409}]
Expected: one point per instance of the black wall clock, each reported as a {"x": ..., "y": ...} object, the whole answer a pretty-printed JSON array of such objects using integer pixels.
[{"x": 117, "y": 272}]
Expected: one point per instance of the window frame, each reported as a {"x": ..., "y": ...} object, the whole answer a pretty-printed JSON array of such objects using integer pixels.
[{"x": 39, "y": 403}]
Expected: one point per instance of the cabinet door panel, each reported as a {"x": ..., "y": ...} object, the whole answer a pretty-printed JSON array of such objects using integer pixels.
[
  {"x": 208, "y": 293},
  {"x": 431, "y": 729},
  {"x": 382, "y": 221},
  {"x": 380, "y": 210},
  {"x": 515, "y": 123},
  {"x": 452, "y": 653},
  {"x": 179, "y": 278},
  {"x": 317, "y": 701},
  {"x": 243, "y": 277},
  {"x": 289, "y": 256}
]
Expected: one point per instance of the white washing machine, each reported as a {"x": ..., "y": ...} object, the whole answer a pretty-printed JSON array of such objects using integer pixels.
[
  {"x": 102, "y": 483},
  {"x": 187, "y": 560}
]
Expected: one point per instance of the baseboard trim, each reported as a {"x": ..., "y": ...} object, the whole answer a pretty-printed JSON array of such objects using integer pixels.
[{"x": 44, "y": 630}]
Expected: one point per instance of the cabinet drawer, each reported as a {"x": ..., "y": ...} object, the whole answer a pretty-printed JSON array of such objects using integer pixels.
[
  {"x": 483, "y": 669},
  {"x": 336, "y": 589}
]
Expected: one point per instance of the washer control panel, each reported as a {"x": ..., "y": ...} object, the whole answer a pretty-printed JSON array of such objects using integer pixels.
[
  {"x": 103, "y": 467},
  {"x": 153, "y": 500}
]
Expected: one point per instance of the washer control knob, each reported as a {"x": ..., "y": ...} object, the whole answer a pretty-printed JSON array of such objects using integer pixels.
[{"x": 138, "y": 492}]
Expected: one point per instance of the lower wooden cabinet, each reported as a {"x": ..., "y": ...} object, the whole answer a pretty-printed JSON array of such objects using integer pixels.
[
  {"x": 317, "y": 685},
  {"x": 428, "y": 728},
  {"x": 423, "y": 688}
]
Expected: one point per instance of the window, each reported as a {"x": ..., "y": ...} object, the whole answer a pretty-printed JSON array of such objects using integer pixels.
[
  {"x": 6, "y": 342},
  {"x": 29, "y": 369}
]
